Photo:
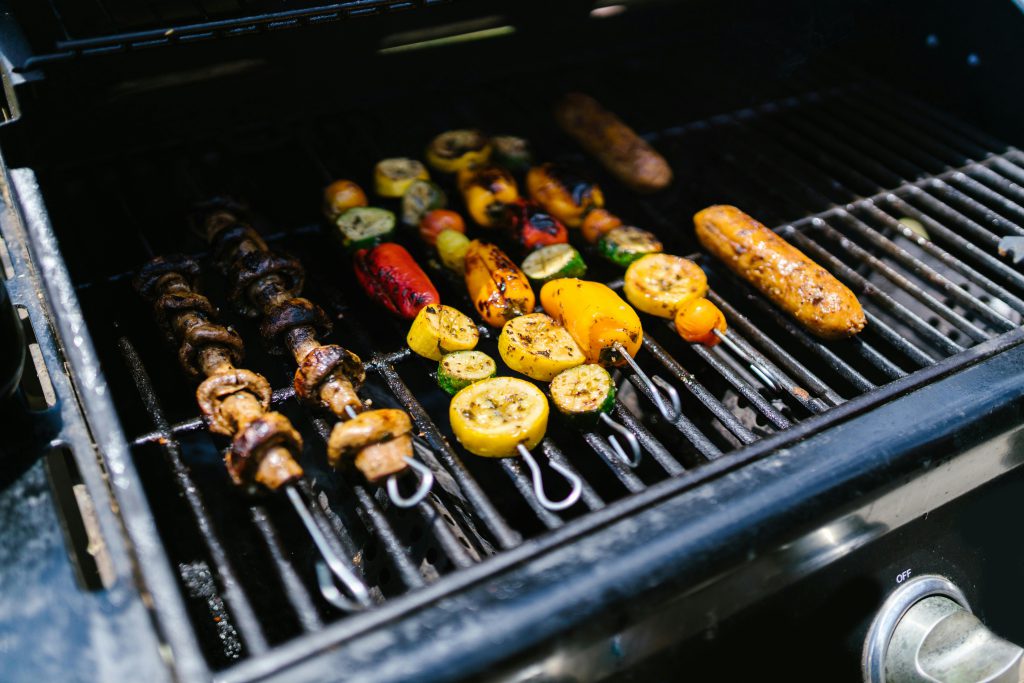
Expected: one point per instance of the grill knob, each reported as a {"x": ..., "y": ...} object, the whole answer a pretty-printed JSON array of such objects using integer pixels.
[{"x": 926, "y": 633}]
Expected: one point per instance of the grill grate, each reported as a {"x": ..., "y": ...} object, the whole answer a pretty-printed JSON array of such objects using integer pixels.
[{"x": 927, "y": 302}]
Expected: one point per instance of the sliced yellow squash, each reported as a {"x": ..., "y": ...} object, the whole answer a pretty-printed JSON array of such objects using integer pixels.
[
  {"x": 440, "y": 329},
  {"x": 538, "y": 347},
  {"x": 491, "y": 418},
  {"x": 660, "y": 283}
]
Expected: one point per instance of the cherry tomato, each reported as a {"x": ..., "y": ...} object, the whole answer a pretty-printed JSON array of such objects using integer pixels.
[
  {"x": 342, "y": 195},
  {"x": 597, "y": 223},
  {"x": 697, "y": 319},
  {"x": 438, "y": 220}
]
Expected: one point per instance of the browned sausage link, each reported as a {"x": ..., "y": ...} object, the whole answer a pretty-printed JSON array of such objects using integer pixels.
[
  {"x": 233, "y": 401},
  {"x": 783, "y": 273},
  {"x": 605, "y": 137}
]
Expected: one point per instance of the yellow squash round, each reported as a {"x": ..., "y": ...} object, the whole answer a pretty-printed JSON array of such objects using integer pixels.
[
  {"x": 491, "y": 418},
  {"x": 440, "y": 329},
  {"x": 538, "y": 347},
  {"x": 659, "y": 284}
]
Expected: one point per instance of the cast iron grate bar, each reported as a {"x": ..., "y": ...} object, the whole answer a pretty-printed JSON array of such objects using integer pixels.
[{"x": 238, "y": 604}]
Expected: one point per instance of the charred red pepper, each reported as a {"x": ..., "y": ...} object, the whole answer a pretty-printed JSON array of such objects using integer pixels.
[
  {"x": 531, "y": 227},
  {"x": 391, "y": 277}
]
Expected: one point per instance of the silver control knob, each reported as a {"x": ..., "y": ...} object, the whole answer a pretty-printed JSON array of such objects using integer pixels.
[{"x": 926, "y": 633}]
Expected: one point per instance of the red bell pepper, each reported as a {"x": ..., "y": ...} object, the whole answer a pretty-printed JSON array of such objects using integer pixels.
[
  {"x": 391, "y": 277},
  {"x": 532, "y": 227}
]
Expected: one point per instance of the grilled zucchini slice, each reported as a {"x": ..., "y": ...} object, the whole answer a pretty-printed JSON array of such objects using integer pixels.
[
  {"x": 552, "y": 262},
  {"x": 422, "y": 197},
  {"x": 458, "y": 370},
  {"x": 392, "y": 177},
  {"x": 584, "y": 392},
  {"x": 439, "y": 329},
  {"x": 363, "y": 227},
  {"x": 659, "y": 284},
  {"x": 512, "y": 152},
  {"x": 625, "y": 244},
  {"x": 455, "y": 150}
]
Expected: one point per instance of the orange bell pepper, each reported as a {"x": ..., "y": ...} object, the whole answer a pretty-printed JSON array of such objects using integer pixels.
[
  {"x": 596, "y": 317},
  {"x": 566, "y": 195},
  {"x": 485, "y": 192},
  {"x": 499, "y": 290}
]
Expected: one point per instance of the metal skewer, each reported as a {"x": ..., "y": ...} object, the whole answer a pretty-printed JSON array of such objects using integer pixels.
[
  {"x": 630, "y": 438},
  {"x": 422, "y": 472},
  {"x": 538, "y": 482},
  {"x": 763, "y": 372},
  {"x": 655, "y": 387},
  {"x": 331, "y": 566}
]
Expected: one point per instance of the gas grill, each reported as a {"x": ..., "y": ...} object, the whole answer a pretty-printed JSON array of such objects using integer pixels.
[{"x": 771, "y": 515}]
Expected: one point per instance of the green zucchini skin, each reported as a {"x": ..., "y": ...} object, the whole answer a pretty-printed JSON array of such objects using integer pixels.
[
  {"x": 625, "y": 244},
  {"x": 363, "y": 227},
  {"x": 602, "y": 399},
  {"x": 573, "y": 267},
  {"x": 422, "y": 197},
  {"x": 453, "y": 381}
]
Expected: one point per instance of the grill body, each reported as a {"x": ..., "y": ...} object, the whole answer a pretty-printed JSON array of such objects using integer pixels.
[{"x": 753, "y": 511}]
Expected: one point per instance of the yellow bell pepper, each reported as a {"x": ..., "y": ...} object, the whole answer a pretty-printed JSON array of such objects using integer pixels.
[
  {"x": 538, "y": 347},
  {"x": 440, "y": 329},
  {"x": 596, "y": 317},
  {"x": 492, "y": 417},
  {"x": 499, "y": 290},
  {"x": 485, "y": 192}
]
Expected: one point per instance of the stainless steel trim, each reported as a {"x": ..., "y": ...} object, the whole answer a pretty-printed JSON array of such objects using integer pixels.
[{"x": 893, "y": 609}]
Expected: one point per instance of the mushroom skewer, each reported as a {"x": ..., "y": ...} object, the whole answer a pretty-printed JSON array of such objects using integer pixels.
[
  {"x": 235, "y": 402},
  {"x": 267, "y": 285}
]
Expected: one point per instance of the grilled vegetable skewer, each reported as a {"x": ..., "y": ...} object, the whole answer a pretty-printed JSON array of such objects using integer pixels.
[
  {"x": 579, "y": 203},
  {"x": 502, "y": 417},
  {"x": 606, "y": 329},
  {"x": 235, "y": 402},
  {"x": 267, "y": 285},
  {"x": 674, "y": 287}
]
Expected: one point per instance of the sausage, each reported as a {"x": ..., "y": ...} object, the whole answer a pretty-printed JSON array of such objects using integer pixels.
[
  {"x": 783, "y": 273},
  {"x": 605, "y": 137}
]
